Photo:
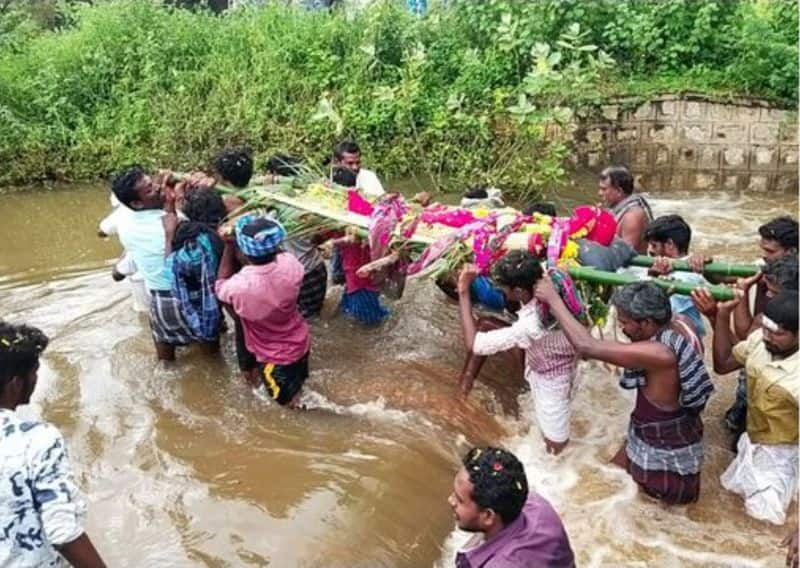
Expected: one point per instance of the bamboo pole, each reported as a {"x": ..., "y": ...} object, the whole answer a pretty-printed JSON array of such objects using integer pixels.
[
  {"x": 594, "y": 276},
  {"x": 710, "y": 268}
]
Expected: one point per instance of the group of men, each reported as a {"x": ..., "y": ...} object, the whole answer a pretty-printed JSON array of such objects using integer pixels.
[{"x": 197, "y": 255}]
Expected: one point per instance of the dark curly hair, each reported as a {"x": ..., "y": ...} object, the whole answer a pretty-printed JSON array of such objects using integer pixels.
[
  {"x": 643, "y": 300},
  {"x": 235, "y": 165},
  {"x": 345, "y": 147},
  {"x": 670, "y": 227},
  {"x": 781, "y": 229},
  {"x": 619, "y": 177},
  {"x": 124, "y": 184},
  {"x": 20, "y": 347},
  {"x": 498, "y": 481},
  {"x": 783, "y": 272},
  {"x": 344, "y": 177},
  {"x": 204, "y": 206},
  {"x": 518, "y": 269},
  {"x": 283, "y": 165}
]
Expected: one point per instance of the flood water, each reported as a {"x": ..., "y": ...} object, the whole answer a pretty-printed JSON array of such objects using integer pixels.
[{"x": 183, "y": 466}]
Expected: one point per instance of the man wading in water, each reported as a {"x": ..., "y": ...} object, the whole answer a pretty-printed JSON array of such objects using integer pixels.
[
  {"x": 664, "y": 449},
  {"x": 631, "y": 211}
]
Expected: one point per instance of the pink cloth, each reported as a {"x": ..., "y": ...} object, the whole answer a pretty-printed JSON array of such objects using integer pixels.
[
  {"x": 357, "y": 204},
  {"x": 354, "y": 256},
  {"x": 265, "y": 298}
]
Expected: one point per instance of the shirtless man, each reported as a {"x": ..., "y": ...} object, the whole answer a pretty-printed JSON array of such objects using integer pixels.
[
  {"x": 664, "y": 449},
  {"x": 631, "y": 210}
]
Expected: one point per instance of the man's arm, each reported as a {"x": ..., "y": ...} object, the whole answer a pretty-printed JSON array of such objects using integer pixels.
[
  {"x": 648, "y": 355},
  {"x": 742, "y": 317},
  {"x": 81, "y": 553},
  {"x": 468, "y": 273},
  {"x": 633, "y": 226},
  {"x": 720, "y": 316}
]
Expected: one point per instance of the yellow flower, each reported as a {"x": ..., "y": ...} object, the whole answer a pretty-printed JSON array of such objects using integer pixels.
[
  {"x": 480, "y": 212},
  {"x": 570, "y": 251}
]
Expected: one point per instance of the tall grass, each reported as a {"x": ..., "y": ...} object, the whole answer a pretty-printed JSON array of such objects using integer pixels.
[{"x": 459, "y": 95}]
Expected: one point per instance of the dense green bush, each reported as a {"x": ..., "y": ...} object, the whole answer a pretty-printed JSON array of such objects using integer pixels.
[{"x": 471, "y": 93}]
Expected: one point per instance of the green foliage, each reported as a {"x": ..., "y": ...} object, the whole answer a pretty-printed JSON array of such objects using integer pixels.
[{"x": 479, "y": 92}]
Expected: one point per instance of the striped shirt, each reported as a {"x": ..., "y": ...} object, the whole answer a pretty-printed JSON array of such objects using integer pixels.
[{"x": 548, "y": 353}]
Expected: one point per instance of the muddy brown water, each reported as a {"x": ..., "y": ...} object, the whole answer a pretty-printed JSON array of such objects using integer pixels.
[{"x": 182, "y": 466}]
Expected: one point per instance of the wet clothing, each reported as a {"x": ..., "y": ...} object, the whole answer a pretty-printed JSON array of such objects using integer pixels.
[
  {"x": 361, "y": 299},
  {"x": 283, "y": 382},
  {"x": 665, "y": 448},
  {"x": 364, "y": 306},
  {"x": 142, "y": 235},
  {"x": 765, "y": 469},
  {"x": 40, "y": 505},
  {"x": 632, "y": 201},
  {"x": 665, "y": 451},
  {"x": 167, "y": 323},
  {"x": 265, "y": 298},
  {"x": 535, "y": 538}
]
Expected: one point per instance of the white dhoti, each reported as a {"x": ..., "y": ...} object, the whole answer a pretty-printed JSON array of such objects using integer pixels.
[
  {"x": 551, "y": 399},
  {"x": 766, "y": 476}
]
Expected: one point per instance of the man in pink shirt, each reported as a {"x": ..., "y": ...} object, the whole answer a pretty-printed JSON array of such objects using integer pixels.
[{"x": 263, "y": 294}]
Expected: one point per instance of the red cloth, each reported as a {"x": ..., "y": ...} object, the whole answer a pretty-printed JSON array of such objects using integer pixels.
[{"x": 354, "y": 256}]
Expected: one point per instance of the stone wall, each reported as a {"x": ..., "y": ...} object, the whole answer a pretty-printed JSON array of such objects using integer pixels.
[{"x": 691, "y": 142}]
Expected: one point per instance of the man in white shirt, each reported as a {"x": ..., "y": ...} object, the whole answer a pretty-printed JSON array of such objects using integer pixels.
[
  {"x": 41, "y": 509},
  {"x": 347, "y": 154}
]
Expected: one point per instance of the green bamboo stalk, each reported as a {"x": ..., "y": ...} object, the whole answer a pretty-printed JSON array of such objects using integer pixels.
[
  {"x": 710, "y": 268},
  {"x": 594, "y": 276}
]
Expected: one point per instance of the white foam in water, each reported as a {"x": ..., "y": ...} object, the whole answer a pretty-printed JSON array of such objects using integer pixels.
[{"x": 373, "y": 409}]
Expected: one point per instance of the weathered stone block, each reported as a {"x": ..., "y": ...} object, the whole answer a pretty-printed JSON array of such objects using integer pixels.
[
  {"x": 758, "y": 183},
  {"x": 787, "y": 132},
  {"x": 644, "y": 112},
  {"x": 734, "y": 157},
  {"x": 610, "y": 112},
  {"x": 763, "y": 157},
  {"x": 641, "y": 157},
  {"x": 627, "y": 134},
  {"x": 595, "y": 136},
  {"x": 786, "y": 183},
  {"x": 675, "y": 181},
  {"x": 667, "y": 108},
  {"x": 730, "y": 133},
  {"x": 708, "y": 158},
  {"x": 704, "y": 181},
  {"x": 594, "y": 159},
  {"x": 747, "y": 115},
  {"x": 662, "y": 156},
  {"x": 694, "y": 109},
  {"x": 662, "y": 133},
  {"x": 788, "y": 158},
  {"x": 686, "y": 157},
  {"x": 697, "y": 132},
  {"x": 764, "y": 133},
  {"x": 722, "y": 112},
  {"x": 730, "y": 182},
  {"x": 773, "y": 115}
]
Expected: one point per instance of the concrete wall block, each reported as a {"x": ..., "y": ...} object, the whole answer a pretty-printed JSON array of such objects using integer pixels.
[
  {"x": 675, "y": 181},
  {"x": 627, "y": 134},
  {"x": 734, "y": 157},
  {"x": 686, "y": 157},
  {"x": 719, "y": 112},
  {"x": 708, "y": 158},
  {"x": 697, "y": 132},
  {"x": 730, "y": 182},
  {"x": 703, "y": 181},
  {"x": 644, "y": 112},
  {"x": 661, "y": 133},
  {"x": 641, "y": 157},
  {"x": 594, "y": 159},
  {"x": 787, "y": 183},
  {"x": 610, "y": 112},
  {"x": 730, "y": 133},
  {"x": 758, "y": 182},
  {"x": 773, "y": 115},
  {"x": 788, "y": 158},
  {"x": 746, "y": 114},
  {"x": 761, "y": 133},
  {"x": 787, "y": 132},
  {"x": 693, "y": 110},
  {"x": 763, "y": 157},
  {"x": 667, "y": 109},
  {"x": 596, "y": 136},
  {"x": 662, "y": 156}
]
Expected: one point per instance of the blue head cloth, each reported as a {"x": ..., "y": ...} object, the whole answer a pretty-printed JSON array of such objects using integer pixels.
[{"x": 263, "y": 243}]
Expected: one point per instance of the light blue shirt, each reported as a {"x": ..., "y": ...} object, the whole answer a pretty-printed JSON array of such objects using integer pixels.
[
  {"x": 683, "y": 304},
  {"x": 142, "y": 235}
]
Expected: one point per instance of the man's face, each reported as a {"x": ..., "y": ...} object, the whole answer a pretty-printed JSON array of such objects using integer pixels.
[
  {"x": 635, "y": 330},
  {"x": 779, "y": 342},
  {"x": 350, "y": 161},
  {"x": 149, "y": 194},
  {"x": 468, "y": 514},
  {"x": 772, "y": 250},
  {"x": 655, "y": 248},
  {"x": 609, "y": 194}
]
